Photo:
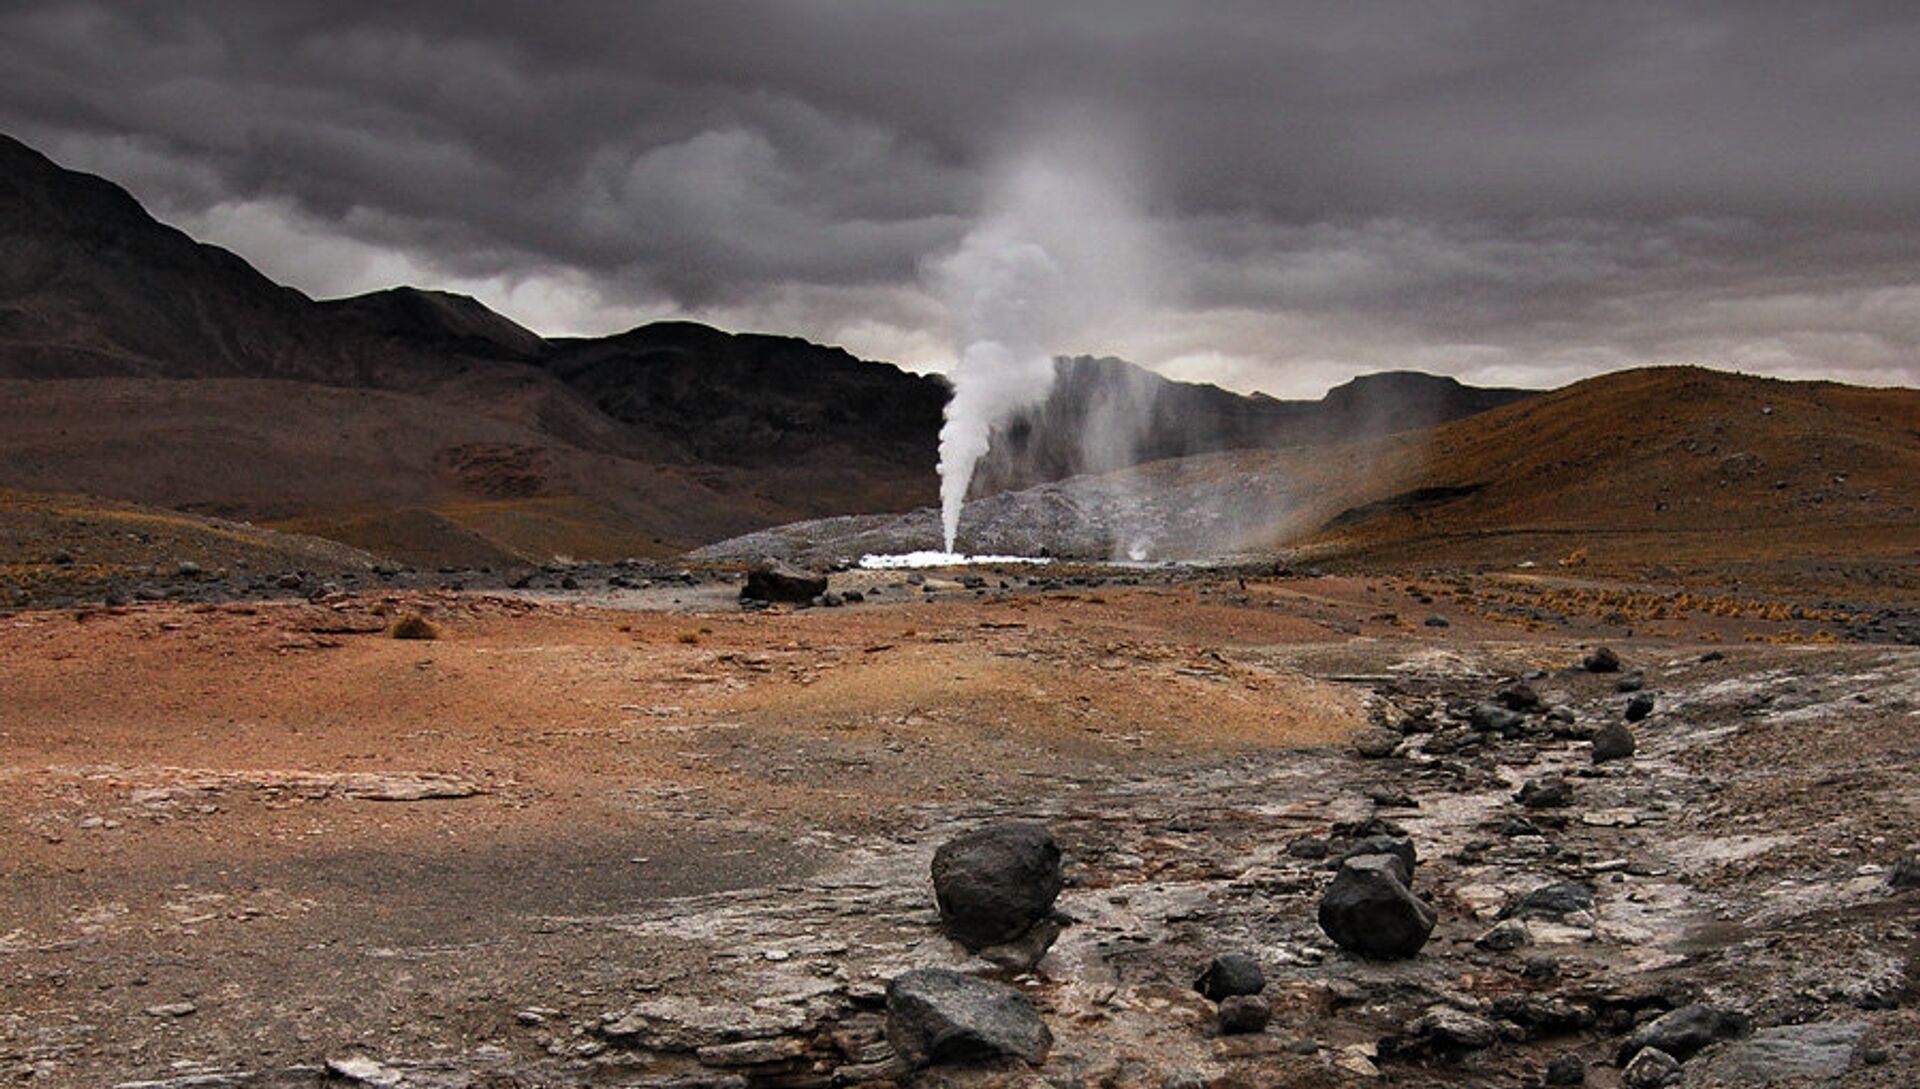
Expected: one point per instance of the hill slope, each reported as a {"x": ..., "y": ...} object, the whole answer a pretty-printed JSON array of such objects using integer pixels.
[{"x": 1639, "y": 468}]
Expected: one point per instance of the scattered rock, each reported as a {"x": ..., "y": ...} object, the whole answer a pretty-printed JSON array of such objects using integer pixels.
[
  {"x": 1244, "y": 1013},
  {"x": 1601, "y": 660},
  {"x": 173, "y": 1009},
  {"x": 1568, "y": 1069},
  {"x": 1368, "y": 909},
  {"x": 936, "y": 1016},
  {"x": 1438, "y": 621},
  {"x": 1650, "y": 1069},
  {"x": 1374, "y": 743},
  {"x": 994, "y": 883},
  {"x": 364, "y": 1071},
  {"x": 1025, "y": 951},
  {"x": 1613, "y": 741},
  {"x": 1905, "y": 874},
  {"x": 1505, "y": 936},
  {"x": 1492, "y": 716},
  {"x": 1682, "y": 1033},
  {"x": 1632, "y": 683},
  {"x": 1640, "y": 706},
  {"x": 1519, "y": 697},
  {"x": 1553, "y": 793},
  {"x": 1453, "y": 1030},
  {"x": 1553, "y": 901},
  {"x": 1231, "y": 974},
  {"x": 1398, "y": 847},
  {"x": 777, "y": 580}
]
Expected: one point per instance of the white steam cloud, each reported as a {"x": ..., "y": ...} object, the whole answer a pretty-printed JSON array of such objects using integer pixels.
[{"x": 1060, "y": 251}]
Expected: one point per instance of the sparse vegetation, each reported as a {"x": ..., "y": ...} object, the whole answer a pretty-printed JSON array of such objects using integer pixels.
[{"x": 413, "y": 626}]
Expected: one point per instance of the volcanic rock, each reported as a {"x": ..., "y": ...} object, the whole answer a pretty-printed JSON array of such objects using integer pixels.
[
  {"x": 936, "y": 1016},
  {"x": 1905, "y": 874},
  {"x": 1244, "y": 1013},
  {"x": 1505, "y": 936},
  {"x": 1614, "y": 741},
  {"x": 776, "y": 580},
  {"x": 1231, "y": 974},
  {"x": 1453, "y": 1029},
  {"x": 1492, "y": 716},
  {"x": 1602, "y": 660},
  {"x": 1552, "y": 901},
  {"x": 1568, "y": 1069},
  {"x": 1545, "y": 794},
  {"x": 993, "y": 883},
  {"x": 1685, "y": 1031},
  {"x": 1650, "y": 1069},
  {"x": 1640, "y": 706},
  {"x": 1519, "y": 697},
  {"x": 1398, "y": 847},
  {"x": 1374, "y": 743},
  {"x": 1368, "y": 909}
]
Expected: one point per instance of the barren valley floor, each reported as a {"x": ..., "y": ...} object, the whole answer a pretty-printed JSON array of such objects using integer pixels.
[{"x": 599, "y": 838}]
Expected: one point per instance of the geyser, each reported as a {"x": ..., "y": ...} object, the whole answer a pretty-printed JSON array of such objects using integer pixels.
[{"x": 1058, "y": 248}]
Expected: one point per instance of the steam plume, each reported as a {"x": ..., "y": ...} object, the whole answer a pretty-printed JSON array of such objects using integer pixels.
[{"x": 1058, "y": 250}]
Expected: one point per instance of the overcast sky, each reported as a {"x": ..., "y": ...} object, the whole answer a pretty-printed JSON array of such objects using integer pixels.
[{"x": 1521, "y": 193}]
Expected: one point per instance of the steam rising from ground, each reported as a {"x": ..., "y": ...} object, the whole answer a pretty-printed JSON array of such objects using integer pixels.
[{"x": 1059, "y": 250}]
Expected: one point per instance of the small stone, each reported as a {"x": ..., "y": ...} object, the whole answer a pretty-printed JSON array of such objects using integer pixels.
[
  {"x": 1568, "y": 1069},
  {"x": 1613, "y": 741},
  {"x": 1551, "y": 793},
  {"x": 1453, "y": 1029},
  {"x": 1632, "y": 683},
  {"x": 1685, "y": 1031},
  {"x": 1905, "y": 874},
  {"x": 936, "y": 1016},
  {"x": 1650, "y": 1069},
  {"x": 1437, "y": 621},
  {"x": 1519, "y": 697},
  {"x": 1244, "y": 1013},
  {"x": 1601, "y": 660},
  {"x": 1308, "y": 847},
  {"x": 1640, "y": 706},
  {"x": 1374, "y": 743},
  {"x": 1552, "y": 901},
  {"x": 1489, "y": 717},
  {"x": 173, "y": 1009},
  {"x": 1505, "y": 936},
  {"x": 1231, "y": 974},
  {"x": 1400, "y": 847}
]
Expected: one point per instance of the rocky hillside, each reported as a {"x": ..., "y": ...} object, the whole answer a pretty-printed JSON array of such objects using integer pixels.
[{"x": 1632, "y": 471}]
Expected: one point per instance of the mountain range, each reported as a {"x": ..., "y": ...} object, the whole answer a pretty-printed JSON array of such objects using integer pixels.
[{"x": 138, "y": 364}]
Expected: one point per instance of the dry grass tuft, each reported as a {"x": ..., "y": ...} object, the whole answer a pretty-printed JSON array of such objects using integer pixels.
[{"x": 414, "y": 626}]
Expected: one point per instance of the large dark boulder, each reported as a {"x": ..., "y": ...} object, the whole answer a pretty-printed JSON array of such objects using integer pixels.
[
  {"x": 1686, "y": 1031},
  {"x": 776, "y": 580},
  {"x": 936, "y": 1016},
  {"x": 1614, "y": 741},
  {"x": 993, "y": 883},
  {"x": 1369, "y": 910}
]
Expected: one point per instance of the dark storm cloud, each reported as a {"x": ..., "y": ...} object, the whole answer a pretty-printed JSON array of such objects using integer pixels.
[{"x": 1515, "y": 191}]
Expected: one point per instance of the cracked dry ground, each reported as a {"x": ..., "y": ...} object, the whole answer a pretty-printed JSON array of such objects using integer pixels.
[{"x": 579, "y": 846}]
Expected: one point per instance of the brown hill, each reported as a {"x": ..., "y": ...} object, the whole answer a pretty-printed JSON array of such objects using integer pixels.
[{"x": 1656, "y": 467}]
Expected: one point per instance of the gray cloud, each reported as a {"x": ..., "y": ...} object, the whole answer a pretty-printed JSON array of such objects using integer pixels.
[{"x": 1508, "y": 190}]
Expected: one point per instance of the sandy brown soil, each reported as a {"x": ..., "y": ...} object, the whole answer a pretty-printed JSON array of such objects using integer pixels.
[{"x": 242, "y": 840}]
